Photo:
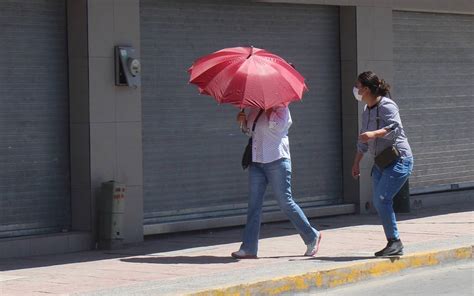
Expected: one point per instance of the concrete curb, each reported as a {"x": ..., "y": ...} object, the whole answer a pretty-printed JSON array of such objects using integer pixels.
[{"x": 342, "y": 275}]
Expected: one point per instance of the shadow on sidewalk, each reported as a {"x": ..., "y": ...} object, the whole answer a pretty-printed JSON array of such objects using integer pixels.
[
  {"x": 181, "y": 260},
  {"x": 224, "y": 260},
  {"x": 213, "y": 237},
  {"x": 344, "y": 258}
]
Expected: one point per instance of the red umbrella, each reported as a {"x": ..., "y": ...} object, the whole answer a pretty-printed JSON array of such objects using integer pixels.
[{"x": 247, "y": 77}]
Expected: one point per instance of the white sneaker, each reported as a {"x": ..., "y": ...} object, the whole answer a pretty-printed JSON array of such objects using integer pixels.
[
  {"x": 313, "y": 247},
  {"x": 240, "y": 254}
]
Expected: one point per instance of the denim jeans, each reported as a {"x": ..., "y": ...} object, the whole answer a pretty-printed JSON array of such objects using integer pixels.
[
  {"x": 278, "y": 175},
  {"x": 386, "y": 184}
]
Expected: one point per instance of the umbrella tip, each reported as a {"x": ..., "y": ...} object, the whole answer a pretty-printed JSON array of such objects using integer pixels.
[{"x": 251, "y": 52}]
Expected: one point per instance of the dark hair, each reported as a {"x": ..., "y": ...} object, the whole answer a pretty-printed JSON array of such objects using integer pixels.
[{"x": 378, "y": 87}]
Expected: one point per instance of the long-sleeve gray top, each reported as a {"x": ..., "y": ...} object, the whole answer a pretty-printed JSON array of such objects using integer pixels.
[{"x": 389, "y": 116}]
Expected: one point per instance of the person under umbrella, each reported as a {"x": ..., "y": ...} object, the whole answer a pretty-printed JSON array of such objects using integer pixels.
[
  {"x": 265, "y": 84},
  {"x": 271, "y": 165}
]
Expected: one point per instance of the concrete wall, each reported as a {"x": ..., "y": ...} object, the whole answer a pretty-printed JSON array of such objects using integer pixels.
[
  {"x": 79, "y": 115},
  {"x": 350, "y": 110},
  {"x": 374, "y": 52},
  {"x": 366, "y": 44},
  {"x": 105, "y": 119},
  {"x": 441, "y": 6}
]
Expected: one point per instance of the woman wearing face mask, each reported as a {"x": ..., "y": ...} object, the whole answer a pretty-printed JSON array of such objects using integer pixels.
[{"x": 383, "y": 135}]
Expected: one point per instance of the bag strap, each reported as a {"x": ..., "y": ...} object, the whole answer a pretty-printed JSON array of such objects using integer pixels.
[
  {"x": 377, "y": 119},
  {"x": 256, "y": 118}
]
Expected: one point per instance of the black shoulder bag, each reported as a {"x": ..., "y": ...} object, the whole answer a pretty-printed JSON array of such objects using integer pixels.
[
  {"x": 247, "y": 157},
  {"x": 389, "y": 155}
]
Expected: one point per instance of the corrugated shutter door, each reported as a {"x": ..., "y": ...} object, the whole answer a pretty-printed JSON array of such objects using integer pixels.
[
  {"x": 34, "y": 118},
  {"x": 192, "y": 146},
  {"x": 434, "y": 86}
]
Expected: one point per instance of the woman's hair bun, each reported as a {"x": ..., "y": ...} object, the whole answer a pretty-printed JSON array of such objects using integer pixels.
[
  {"x": 378, "y": 87},
  {"x": 383, "y": 88}
]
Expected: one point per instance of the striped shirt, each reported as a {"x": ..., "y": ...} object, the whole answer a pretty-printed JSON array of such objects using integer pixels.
[{"x": 270, "y": 138}]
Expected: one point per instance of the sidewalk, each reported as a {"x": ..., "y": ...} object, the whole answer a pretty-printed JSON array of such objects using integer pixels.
[{"x": 184, "y": 263}]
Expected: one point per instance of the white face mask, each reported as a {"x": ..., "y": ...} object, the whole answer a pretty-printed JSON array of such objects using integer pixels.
[{"x": 358, "y": 97}]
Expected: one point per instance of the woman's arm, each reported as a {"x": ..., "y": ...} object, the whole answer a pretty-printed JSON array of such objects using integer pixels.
[
  {"x": 362, "y": 147},
  {"x": 393, "y": 129},
  {"x": 390, "y": 116},
  {"x": 278, "y": 119},
  {"x": 356, "y": 166},
  {"x": 242, "y": 118},
  {"x": 365, "y": 137}
]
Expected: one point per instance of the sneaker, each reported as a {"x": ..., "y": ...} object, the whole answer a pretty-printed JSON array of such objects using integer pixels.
[
  {"x": 394, "y": 248},
  {"x": 313, "y": 247},
  {"x": 240, "y": 254}
]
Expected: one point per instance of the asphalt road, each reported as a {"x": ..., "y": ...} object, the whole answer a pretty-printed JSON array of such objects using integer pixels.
[{"x": 454, "y": 279}]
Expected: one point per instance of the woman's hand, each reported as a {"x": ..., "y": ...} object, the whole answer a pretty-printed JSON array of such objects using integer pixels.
[
  {"x": 242, "y": 118},
  {"x": 355, "y": 171},
  {"x": 355, "y": 167},
  {"x": 365, "y": 137},
  {"x": 269, "y": 112}
]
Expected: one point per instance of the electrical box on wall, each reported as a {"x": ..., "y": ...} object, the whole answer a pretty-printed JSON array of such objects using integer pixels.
[{"x": 127, "y": 67}]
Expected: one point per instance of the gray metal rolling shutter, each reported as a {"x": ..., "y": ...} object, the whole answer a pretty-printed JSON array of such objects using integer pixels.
[
  {"x": 192, "y": 146},
  {"x": 34, "y": 118},
  {"x": 434, "y": 86}
]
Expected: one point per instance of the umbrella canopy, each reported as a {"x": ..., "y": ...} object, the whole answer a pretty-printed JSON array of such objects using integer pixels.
[{"x": 247, "y": 77}]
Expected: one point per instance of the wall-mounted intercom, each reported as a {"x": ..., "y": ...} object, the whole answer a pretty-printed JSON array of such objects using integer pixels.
[{"x": 127, "y": 67}]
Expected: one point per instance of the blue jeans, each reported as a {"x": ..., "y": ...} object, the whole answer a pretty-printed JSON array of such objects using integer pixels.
[
  {"x": 386, "y": 184},
  {"x": 278, "y": 175}
]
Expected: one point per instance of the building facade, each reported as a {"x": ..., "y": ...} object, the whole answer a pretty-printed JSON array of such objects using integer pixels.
[{"x": 67, "y": 128}]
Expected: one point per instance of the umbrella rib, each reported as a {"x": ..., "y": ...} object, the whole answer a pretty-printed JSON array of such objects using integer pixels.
[
  {"x": 236, "y": 77},
  {"x": 287, "y": 82},
  {"x": 211, "y": 67},
  {"x": 221, "y": 73},
  {"x": 262, "y": 91},
  {"x": 260, "y": 85}
]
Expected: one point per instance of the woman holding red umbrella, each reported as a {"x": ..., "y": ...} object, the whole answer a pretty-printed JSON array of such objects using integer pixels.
[
  {"x": 271, "y": 165},
  {"x": 265, "y": 84}
]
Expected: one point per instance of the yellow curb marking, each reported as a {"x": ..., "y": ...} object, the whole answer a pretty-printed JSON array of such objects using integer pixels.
[{"x": 341, "y": 275}]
